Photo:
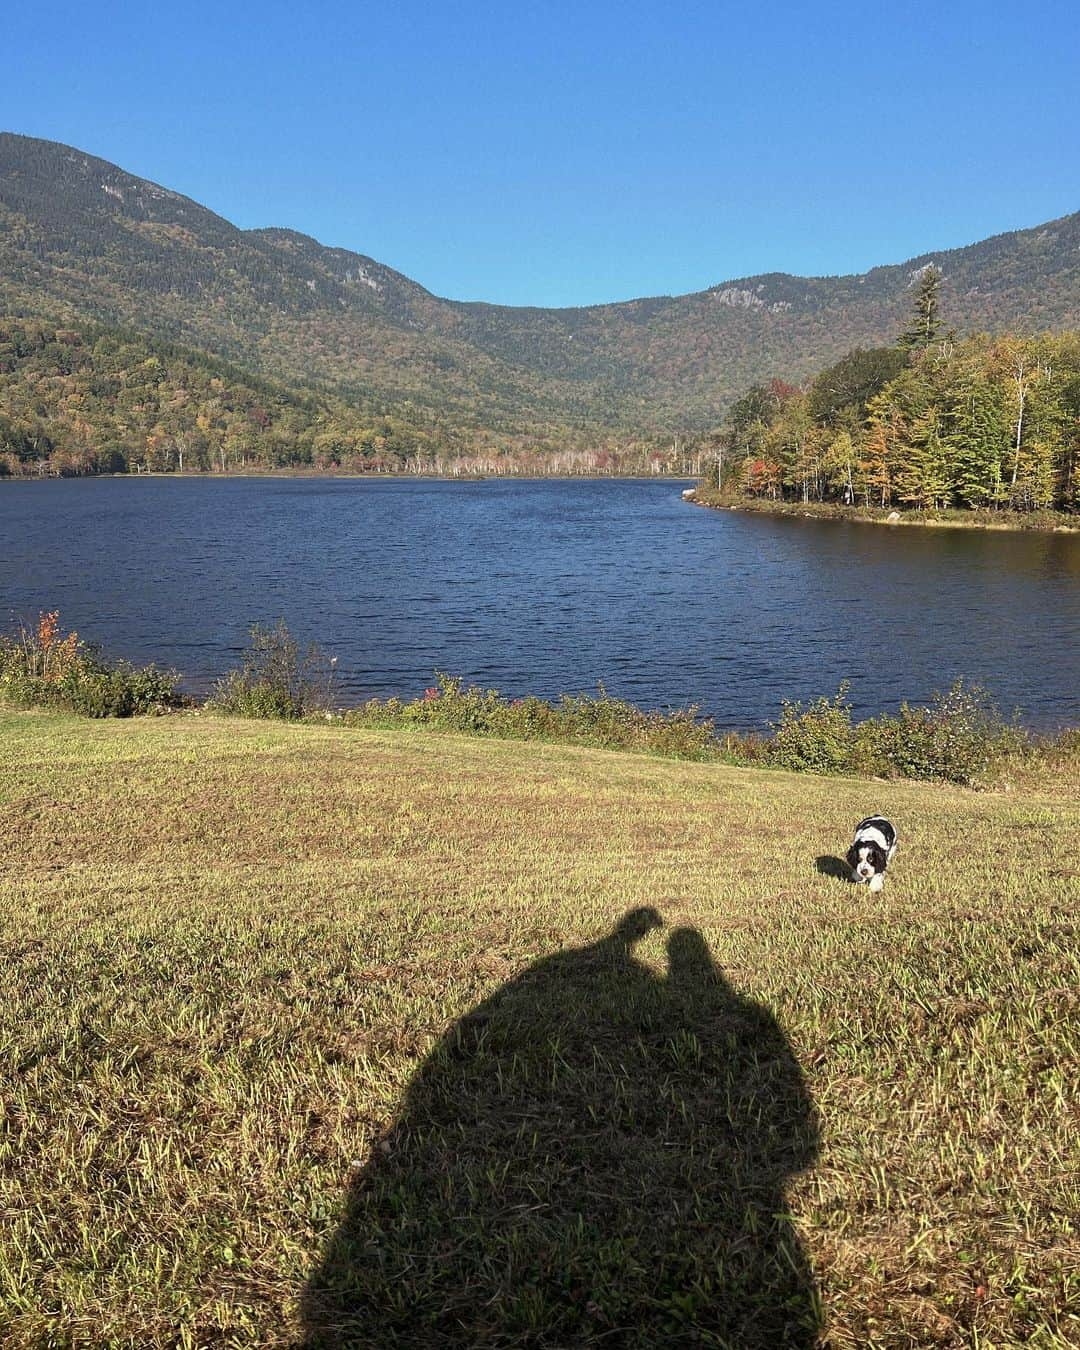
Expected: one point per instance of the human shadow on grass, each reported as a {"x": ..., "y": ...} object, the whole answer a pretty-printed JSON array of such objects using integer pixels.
[
  {"x": 830, "y": 866},
  {"x": 596, "y": 1154}
]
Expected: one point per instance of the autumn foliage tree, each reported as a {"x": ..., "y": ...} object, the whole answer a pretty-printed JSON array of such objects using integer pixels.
[{"x": 978, "y": 424}]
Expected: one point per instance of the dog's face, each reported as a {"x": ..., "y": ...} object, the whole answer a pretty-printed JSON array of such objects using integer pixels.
[{"x": 866, "y": 859}]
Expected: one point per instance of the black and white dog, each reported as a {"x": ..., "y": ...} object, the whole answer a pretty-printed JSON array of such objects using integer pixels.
[{"x": 872, "y": 851}]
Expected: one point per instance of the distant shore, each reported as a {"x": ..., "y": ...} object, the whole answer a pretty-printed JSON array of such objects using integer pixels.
[
  {"x": 355, "y": 477},
  {"x": 1044, "y": 522}
]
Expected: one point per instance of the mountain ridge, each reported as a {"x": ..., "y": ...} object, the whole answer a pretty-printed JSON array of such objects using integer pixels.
[{"x": 81, "y": 238}]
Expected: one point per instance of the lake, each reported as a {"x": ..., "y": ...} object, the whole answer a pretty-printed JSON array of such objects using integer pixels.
[{"x": 547, "y": 586}]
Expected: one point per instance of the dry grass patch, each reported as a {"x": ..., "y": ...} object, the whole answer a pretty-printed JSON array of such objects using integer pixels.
[{"x": 297, "y": 1022}]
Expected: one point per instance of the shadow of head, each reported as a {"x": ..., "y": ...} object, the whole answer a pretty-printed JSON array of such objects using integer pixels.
[
  {"x": 597, "y": 1152},
  {"x": 830, "y": 866},
  {"x": 638, "y": 923}
]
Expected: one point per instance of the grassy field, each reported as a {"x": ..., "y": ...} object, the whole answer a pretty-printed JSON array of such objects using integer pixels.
[{"x": 325, "y": 1037}]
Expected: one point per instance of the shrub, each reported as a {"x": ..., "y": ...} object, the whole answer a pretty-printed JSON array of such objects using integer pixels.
[
  {"x": 956, "y": 739},
  {"x": 42, "y": 652},
  {"x": 121, "y": 691},
  {"x": 41, "y": 667},
  {"x": 819, "y": 738},
  {"x": 960, "y": 737},
  {"x": 583, "y": 719},
  {"x": 276, "y": 678}
]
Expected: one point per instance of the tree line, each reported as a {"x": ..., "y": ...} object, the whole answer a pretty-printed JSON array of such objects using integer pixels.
[
  {"x": 82, "y": 400},
  {"x": 931, "y": 422}
]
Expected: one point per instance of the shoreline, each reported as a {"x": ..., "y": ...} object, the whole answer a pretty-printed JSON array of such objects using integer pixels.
[
  {"x": 1013, "y": 522},
  {"x": 329, "y": 475}
]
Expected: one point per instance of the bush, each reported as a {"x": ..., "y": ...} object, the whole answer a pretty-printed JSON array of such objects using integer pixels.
[
  {"x": 276, "y": 678},
  {"x": 819, "y": 738},
  {"x": 42, "y": 667},
  {"x": 583, "y": 719},
  {"x": 956, "y": 739},
  {"x": 121, "y": 691},
  {"x": 960, "y": 737}
]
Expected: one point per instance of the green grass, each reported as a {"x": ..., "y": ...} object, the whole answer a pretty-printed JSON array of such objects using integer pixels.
[{"x": 328, "y": 1036}]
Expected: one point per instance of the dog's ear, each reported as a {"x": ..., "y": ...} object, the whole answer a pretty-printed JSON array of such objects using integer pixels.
[{"x": 852, "y": 855}]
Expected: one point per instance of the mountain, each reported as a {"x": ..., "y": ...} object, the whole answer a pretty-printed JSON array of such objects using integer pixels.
[{"x": 83, "y": 241}]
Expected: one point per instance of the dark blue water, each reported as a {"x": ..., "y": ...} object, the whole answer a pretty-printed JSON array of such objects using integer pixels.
[{"x": 547, "y": 586}]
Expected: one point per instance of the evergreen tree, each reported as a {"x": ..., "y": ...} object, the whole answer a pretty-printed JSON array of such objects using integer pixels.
[
  {"x": 977, "y": 440},
  {"x": 922, "y": 478},
  {"x": 925, "y": 322}
]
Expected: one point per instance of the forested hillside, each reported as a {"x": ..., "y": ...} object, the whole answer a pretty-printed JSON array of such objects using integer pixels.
[
  {"x": 84, "y": 400},
  {"x": 978, "y": 423},
  {"x": 82, "y": 241},
  {"x": 79, "y": 400}
]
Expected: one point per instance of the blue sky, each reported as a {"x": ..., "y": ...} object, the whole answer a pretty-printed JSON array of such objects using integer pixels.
[{"x": 540, "y": 153}]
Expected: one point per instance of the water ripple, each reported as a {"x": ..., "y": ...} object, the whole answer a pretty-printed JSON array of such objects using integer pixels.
[{"x": 547, "y": 586}]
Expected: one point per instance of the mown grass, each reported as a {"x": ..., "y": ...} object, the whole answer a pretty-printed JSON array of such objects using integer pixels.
[{"x": 318, "y": 1036}]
